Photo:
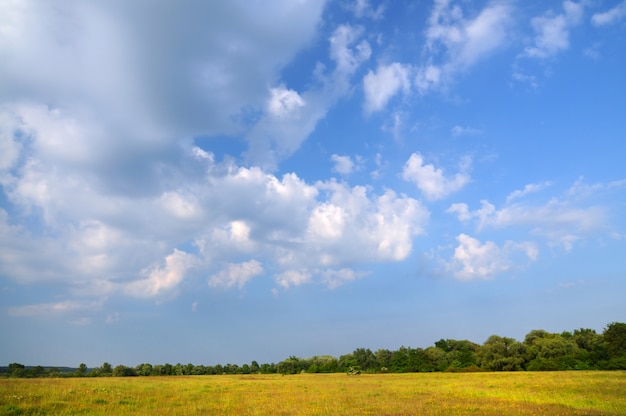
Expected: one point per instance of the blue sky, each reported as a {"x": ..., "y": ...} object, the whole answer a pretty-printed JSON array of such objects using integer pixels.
[{"x": 222, "y": 182}]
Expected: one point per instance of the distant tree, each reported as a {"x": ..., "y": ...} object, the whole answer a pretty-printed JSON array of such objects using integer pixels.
[
  {"x": 435, "y": 359},
  {"x": 501, "y": 354},
  {"x": 346, "y": 361},
  {"x": 383, "y": 357},
  {"x": 266, "y": 368},
  {"x": 254, "y": 367},
  {"x": 365, "y": 359},
  {"x": 123, "y": 371},
  {"x": 552, "y": 352},
  {"x": 615, "y": 339},
  {"x": 16, "y": 370},
  {"x": 81, "y": 371},
  {"x": 105, "y": 370},
  {"x": 144, "y": 369},
  {"x": 292, "y": 365}
]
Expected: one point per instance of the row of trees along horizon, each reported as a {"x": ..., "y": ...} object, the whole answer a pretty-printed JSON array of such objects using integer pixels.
[{"x": 582, "y": 349}]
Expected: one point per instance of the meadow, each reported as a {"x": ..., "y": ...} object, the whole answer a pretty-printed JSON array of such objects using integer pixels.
[{"x": 502, "y": 393}]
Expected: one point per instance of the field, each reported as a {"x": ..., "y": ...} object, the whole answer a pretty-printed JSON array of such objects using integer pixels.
[{"x": 518, "y": 393}]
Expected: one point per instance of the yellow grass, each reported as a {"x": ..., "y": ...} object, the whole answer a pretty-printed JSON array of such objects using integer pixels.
[{"x": 558, "y": 393}]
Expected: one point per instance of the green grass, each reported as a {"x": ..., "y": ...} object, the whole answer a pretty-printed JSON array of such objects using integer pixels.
[{"x": 519, "y": 393}]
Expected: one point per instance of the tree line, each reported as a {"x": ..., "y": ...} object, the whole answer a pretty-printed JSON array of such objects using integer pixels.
[{"x": 582, "y": 349}]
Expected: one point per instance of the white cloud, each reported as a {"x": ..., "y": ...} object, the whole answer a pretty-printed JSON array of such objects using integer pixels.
[
  {"x": 382, "y": 85},
  {"x": 284, "y": 102},
  {"x": 335, "y": 278},
  {"x": 52, "y": 309},
  {"x": 363, "y": 8},
  {"x": 559, "y": 222},
  {"x": 456, "y": 43},
  {"x": 465, "y": 131},
  {"x": 432, "y": 181},
  {"x": 348, "y": 59},
  {"x": 236, "y": 274},
  {"x": 293, "y": 278},
  {"x": 611, "y": 16},
  {"x": 552, "y": 32},
  {"x": 344, "y": 164},
  {"x": 162, "y": 279},
  {"x": 528, "y": 189},
  {"x": 274, "y": 138},
  {"x": 475, "y": 260}
]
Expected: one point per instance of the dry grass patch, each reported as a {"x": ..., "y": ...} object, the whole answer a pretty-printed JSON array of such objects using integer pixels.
[{"x": 559, "y": 393}]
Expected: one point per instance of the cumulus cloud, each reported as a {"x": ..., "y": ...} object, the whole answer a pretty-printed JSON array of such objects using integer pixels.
[
  {"x": 380, "y": 86},
  {"x": 236, "y": 274},
  {"x": 610, "y": 16},
  {"x": 105, "y": 244},
  {"x": 475, "y": 260},
  {"x": 344, "y": 164},
  {"x": 552, "y": 31},
  {"x": 432, "y": 181},
  {"x": 293, "y": 278},
  {"x": 162, "y": 279}
]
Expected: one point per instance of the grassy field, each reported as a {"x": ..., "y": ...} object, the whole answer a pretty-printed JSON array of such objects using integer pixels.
[{"x": 520, "y": 393}]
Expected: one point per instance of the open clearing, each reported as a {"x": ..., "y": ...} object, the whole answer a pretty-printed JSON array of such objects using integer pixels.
[{"x": 516, "y": 393}]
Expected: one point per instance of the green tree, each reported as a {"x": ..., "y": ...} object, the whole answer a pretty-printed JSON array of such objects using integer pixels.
[
  {"x": 16, "y": 370},
  {"x": 383, "y": 357},
  {"x": 501, "y": 354},
  {"x": 435, "y": 359},
  {"x": 144, "y": 369},
  {"x": 81, "y": 371},
  {"x": 614, "y": 336},
  {"x": 365, "y": 359},
  {"x": 292, "y": 365},
  {"x": 105, "y": 370},
  {"x": 552, "y": 352},
  {"x": 123, "y": 371}
]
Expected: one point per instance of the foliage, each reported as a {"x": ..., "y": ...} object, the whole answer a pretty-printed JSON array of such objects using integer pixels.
[{"x": 582, "y": 349}]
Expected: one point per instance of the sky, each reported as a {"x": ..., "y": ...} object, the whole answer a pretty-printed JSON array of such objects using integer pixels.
[{"x": 227, "y": 181}]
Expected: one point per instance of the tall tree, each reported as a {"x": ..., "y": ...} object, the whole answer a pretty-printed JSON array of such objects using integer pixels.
[{"x": 501, "y": 354}]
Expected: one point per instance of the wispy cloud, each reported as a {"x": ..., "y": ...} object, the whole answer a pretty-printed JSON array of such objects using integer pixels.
[
  {"x": 561, "y": 222},
  {"x": 455, "y": 43},
  {"x": 610, "y": 16},
  {"x": 465, "y": 131},
  {"x": 55, "y": 309}
]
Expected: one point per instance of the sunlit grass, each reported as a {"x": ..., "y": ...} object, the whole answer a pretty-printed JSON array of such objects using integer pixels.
[{"x": 519, "y": 393}]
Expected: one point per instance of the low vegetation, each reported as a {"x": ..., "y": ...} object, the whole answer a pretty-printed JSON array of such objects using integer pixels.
[{"x": 485, "y": 393}]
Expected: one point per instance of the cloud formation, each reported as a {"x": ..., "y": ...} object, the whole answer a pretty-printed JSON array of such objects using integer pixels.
[
  {"x": 475, "y": 260},
  {"x": 610, "y": 16},
  {"x": 552, "y": 31},
  {"x": 432, "y": 181}
]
